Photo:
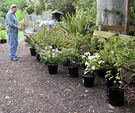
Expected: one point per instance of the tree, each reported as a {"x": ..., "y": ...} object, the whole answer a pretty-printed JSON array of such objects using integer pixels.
[
  {"x": 41, "y": 5},
  {"x": 88, "y": 5},
  {"x": 5, "y": 5}
]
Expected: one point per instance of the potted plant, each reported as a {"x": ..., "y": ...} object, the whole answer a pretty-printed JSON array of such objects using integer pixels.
[
  {"x": 30, "y": 42},
  {"x": 91, "y": 63},
  {"x": 3, "y": 38},
  {"x": 72, "y": 58},
  {"x": 118, "y": 53},
  {"x": 39, "y": 51},
  {"x": 51, "y": 56}
]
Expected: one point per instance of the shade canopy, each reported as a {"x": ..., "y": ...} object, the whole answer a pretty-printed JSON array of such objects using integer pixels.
[{"x": 57, "y": 12}]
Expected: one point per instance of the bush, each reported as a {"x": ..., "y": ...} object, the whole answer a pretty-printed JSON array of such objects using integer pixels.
[
  {"x": 2, "y": 35},
  {"x": 2, "y": 26},
  {"x": 119, "y": 54}
]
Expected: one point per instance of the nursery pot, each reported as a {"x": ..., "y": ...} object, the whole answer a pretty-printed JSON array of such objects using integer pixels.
[
  {"x": 53, "y": 69},
  {"x": 110, "y": 82},
  {"x": 115, "y": 96},
  {"x": 88, "y": 80},
  {"x": 73, "y": 71},
  {"x": 3, "y": 41},
  {"x": 33, "y": 51},
  {"x": 101, "y": 73},
  {"x": 38, "y": 57}
]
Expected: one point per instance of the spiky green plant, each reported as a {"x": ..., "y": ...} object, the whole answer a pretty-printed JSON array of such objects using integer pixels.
[{"x": 78, "y": 23}]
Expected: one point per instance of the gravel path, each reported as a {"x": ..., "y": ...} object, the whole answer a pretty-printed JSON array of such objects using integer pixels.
[{"x": 27, "y": 87}]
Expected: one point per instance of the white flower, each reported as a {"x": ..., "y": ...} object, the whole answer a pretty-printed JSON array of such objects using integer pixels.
[
  {"x": 101, "y": 61},
  {"x": 50, "y": 47},
  {"x": 112, "y": 52},
  {"x": 87, "y": 54},
  {"x": 53, "y": 55},
  {"x": 83, "y": 56},
  {"x": 86, "y": 64},
  {"x": 97, "y": 55},
  {"x": 57, "y": 50},
  {"x": 91, "y": 57},
  {"x": 93, "y": 68},
  {"x": 46, "y": 48}
]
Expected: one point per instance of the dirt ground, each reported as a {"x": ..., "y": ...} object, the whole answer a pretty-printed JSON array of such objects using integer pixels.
[{"x": 27, "y": 87}]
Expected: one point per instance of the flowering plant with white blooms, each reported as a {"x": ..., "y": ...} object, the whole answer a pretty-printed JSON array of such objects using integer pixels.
[
  {"x": 49, "y": 55},
  {"x": 93, "y": 63},
  {"x": 86, "y": 55}
]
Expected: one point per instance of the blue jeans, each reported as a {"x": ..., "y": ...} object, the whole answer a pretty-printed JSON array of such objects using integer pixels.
[{"x": 13, "y": 43}]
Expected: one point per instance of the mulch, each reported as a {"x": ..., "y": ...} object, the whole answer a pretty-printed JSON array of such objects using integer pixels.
[{"x": 27, "y": 87}]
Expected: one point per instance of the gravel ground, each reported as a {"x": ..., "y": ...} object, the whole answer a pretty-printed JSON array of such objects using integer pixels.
[{"x": 27, "y": 87}]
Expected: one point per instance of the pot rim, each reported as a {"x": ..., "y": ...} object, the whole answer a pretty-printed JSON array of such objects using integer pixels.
[
  {"x": 52, "y": 64},
  {"x": 87, "y": 76}
]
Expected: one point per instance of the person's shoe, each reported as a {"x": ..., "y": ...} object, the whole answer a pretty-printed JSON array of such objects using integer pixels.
[{"x": 15, "y": 59}]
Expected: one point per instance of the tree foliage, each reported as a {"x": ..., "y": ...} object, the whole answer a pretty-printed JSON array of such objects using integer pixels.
[
  {"x": 39, "y": 6},
  {"x": 5, "y": 6},
  {"x": 132, "y": 13}
]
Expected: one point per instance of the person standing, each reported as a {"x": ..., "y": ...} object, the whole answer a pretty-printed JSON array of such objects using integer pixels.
[{"x": 12, "y": 31}]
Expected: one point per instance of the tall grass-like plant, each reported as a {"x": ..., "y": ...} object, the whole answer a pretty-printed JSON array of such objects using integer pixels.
[{"x": 78, "y": 23}]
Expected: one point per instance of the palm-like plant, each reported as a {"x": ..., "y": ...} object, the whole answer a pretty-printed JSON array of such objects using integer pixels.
[{"x": 80, "y": 22}]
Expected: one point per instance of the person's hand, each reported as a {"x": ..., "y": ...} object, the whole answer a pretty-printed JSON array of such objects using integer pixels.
[{"x": 19, "y": 28}]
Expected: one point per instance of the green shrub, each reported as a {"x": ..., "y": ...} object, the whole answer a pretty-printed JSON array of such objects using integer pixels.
[
  {"x": 2, "y": 26},
  {"x": 2, "y": 35}
]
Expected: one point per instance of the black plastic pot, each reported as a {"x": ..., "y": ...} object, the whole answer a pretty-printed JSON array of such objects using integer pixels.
[
  {"x": 53, "y": 69},
  {"x": 38, "y": 57},
  {"x": 101, "y": 73},
  {"x": 73, "y": 71},
  {"x": 115, "y": 96},
  {"x": 33, "y": 51},
  {"x": 3, "y": 41},
  {"x": 88, "y": 80},
  {"x": 110, "y": 82}
]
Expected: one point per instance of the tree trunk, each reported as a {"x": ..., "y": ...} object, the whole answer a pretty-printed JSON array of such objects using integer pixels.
[{"x": 111, "y": 12}]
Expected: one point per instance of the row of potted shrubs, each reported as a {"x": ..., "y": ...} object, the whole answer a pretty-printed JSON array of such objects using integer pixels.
[{"x": 111, "y": 58}]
